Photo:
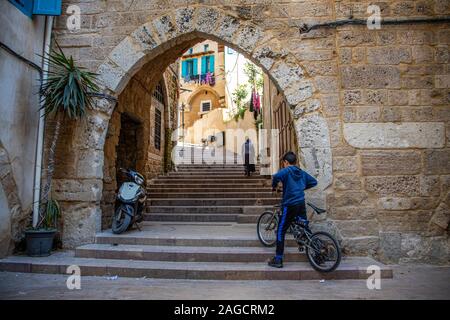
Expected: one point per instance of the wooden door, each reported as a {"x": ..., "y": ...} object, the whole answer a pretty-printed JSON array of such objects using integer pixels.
[{"x": 285, "y": 124}]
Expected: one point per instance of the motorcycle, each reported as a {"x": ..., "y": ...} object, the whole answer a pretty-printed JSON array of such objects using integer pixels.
[{"x": 130, "y": 202}]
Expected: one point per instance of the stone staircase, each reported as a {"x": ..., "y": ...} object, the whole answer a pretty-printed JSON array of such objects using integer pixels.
[
  {"x": 199, "y": 224},
  {"x": 212, "y": 193}
]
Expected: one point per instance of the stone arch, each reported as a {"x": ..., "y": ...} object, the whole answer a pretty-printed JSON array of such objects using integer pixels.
[
  {"x": 203, "y": 88},
  {"x": 185, "y": 26}
]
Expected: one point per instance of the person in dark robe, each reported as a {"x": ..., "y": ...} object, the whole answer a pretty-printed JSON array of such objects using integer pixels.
[{"x": 248, "y": 154}]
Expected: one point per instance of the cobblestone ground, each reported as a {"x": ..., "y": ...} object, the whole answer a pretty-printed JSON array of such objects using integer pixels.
[{"x": 410, "y": 282}]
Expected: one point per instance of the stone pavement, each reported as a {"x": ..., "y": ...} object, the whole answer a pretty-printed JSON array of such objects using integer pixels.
[
  {"x": 409, "y": 282},
  {"x": 200, "y": 251}
]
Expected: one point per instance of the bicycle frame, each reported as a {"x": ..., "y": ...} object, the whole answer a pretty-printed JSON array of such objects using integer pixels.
[{"x": 298, "y": 233}]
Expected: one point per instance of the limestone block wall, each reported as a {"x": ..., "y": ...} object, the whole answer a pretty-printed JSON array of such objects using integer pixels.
[
  {"x": 371, "y": 106},
  {"x": 138, "y": 103}
]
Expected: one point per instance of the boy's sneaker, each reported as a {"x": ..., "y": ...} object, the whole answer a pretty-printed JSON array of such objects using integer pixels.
[{"x": 276, "y": 262}]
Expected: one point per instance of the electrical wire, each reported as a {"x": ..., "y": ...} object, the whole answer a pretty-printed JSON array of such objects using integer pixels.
[
  {"x": 40, "y": 71},
  {"x": 305, "y": 28}
]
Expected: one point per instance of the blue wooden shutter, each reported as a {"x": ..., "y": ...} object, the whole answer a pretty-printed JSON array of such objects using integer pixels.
[
  {"x": 195, "y": 67},
  {"x": 211, "y": 64},
  {"x": 26, "y": 6},
  {"x": 183, "y": 68},
  {"x": 204, "y": 66},
  {"x": 47, "y": 7}
]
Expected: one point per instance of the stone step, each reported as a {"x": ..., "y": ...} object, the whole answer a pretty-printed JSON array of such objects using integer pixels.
[
  {"x": 57, "y": 263},
  {"x": 248, "y": 218},
  {"x": 154, "y": 189},
  {"x": 202, "y": 217},
  {"x": 189, "y": 217},
  {"x": 211, "y": 202},
  {"x": 216, "y": 170},
  {"x": 255, "y": 210},
  {"x": 207, "y": 161},
  {"x": 201, "y": 194},
  {"x": 194, "y": 209},
  {"x": 189, "y": 234},
  {"x": 224, "y": 168},
  {"x": 213, "y": 177},
  {"x": 217, "y": 182},
  {"x": 203, "y": 186},
  {"x": 184, "y": 253},
  {"x": 206, "y": 173}
]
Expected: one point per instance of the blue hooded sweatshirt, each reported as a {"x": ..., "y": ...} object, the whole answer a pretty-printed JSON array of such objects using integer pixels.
[{"x": 295, "y": 182}]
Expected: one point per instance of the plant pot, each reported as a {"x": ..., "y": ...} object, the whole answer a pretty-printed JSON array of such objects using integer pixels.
[{"x": 39, "y": 242}]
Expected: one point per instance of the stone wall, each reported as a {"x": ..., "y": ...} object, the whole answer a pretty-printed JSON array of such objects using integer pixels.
[
  {"x": 19, "y": 118},
  {"x": 371, "y": 106},
  {"x": 137, "y": 104}
]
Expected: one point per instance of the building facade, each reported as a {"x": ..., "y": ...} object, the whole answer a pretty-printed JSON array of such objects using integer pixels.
[
  {"x": 206, "y": 100},
  {"x": 22, "y": 45},
  {"x": 369, "y": 106}
]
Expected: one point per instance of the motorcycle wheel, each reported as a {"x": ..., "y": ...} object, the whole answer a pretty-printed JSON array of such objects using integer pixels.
[{"x": 121, "y": 220}]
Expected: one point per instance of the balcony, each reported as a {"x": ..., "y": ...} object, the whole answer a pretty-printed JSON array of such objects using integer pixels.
[{"x": 207, "y": 78}]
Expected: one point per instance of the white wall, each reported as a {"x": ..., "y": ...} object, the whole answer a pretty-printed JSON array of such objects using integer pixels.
[
  {"x": 19, "y": 104},
  {"x": 234, "y": 70}
]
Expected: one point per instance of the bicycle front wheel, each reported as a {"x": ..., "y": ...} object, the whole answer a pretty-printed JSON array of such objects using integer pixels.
[
  {"x": 267, "y": 228},
  {"x": 323, "y": 252}
]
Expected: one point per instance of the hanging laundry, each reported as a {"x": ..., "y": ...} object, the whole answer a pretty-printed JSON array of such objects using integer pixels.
[
  {"x": 252, "y": 101},
  {"x": 257, "y": 102},
  {"x": 209, "y": 79}
]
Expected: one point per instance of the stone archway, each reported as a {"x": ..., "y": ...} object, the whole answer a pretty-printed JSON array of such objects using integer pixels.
[
  {"x": 202, "y": 89},
  {"x": 158, "y": 37}
]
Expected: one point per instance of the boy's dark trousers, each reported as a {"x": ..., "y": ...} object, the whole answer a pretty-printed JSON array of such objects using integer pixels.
[{"x": 289, "y": 214}]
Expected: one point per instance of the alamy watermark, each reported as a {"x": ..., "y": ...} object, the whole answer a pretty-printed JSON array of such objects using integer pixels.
[
  {"x": 374, "y": 20},
  {"x": 74, "y": 19},
  {"x": 225, "y": 147},
  {"x": 373, "y": 282},
  {"x": 73, "y": 282}
]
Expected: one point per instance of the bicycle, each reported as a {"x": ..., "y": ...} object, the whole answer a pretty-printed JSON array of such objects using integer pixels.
[{"x": 321, "y": 248}]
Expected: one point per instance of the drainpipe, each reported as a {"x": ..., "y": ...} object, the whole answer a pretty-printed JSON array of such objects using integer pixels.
[{"x": 41, "y": 125}]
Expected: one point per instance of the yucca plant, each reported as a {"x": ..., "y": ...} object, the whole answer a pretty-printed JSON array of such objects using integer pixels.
[
  {"x": 51, "y": 215},
  {"x": 68, "y": 92}
]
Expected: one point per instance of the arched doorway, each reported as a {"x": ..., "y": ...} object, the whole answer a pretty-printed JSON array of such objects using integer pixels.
[{"x": 152, "y": 47}]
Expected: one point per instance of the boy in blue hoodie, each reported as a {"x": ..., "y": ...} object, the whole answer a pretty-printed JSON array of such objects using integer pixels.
[{"x": 295, "y": 181}]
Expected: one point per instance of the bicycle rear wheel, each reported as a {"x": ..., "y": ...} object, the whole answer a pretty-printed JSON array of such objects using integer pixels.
[
  {"x": 323, "y": 252},
  {"x": 267, "y": 228}
]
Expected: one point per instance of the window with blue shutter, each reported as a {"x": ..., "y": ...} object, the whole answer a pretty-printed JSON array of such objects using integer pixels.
[
  {"x": 189, "y": 68},
  {"x": 38, "y": 7},
  {"x": 204, "y": 65},
  {"x": 207, "y": 64},
  {"x": 195, "y": 67},
  {"x": 211, "y": 64},
  {"x": 183, "y": 69},
  {"x": 25, "y": 6},
  {"x": 47, "y": 7}
]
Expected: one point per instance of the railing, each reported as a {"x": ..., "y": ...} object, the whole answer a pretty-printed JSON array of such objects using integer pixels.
[{"x": 207, "y": 78}]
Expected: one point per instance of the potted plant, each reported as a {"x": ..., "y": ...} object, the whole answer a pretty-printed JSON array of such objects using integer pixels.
[
  {"x": 67, "y": 92},
  {"x": 40, "y": 239}
]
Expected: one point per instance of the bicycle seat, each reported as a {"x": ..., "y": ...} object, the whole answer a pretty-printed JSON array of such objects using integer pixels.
[{"x": 316, "y": 209}]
